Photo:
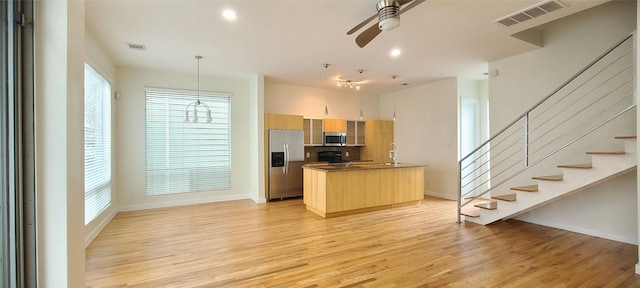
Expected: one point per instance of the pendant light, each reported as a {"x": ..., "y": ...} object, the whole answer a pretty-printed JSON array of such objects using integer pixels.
[
  {"x": 361, "y": 115},
  {"x": 394, "y": 97},
  {"x": 197, "y": 103},
  {"x": 326, "y": 91}
]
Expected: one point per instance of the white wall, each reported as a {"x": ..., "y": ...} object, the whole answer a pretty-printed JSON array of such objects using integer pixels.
[
  {"x": 570, "y": 44},
  {"x": 100, "y": 61},
  {"x": 59, "y": 89},
  {"x": 130, "y": 145},
  {"x": 426, "y": 132},
  {"x": 343, "y": 103}
]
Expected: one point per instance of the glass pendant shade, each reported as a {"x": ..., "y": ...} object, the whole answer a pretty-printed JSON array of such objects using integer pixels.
[{"x": 197, "y": 103}]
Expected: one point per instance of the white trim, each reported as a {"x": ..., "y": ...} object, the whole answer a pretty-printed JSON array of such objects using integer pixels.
[
  {"x": 184, "y": 202},
  {"x": 186, "y": 91},
  {"x": 581, "y": 230},
  {"x": 440, "y": 195},
  {"x": 99, "y": 69},
  {"x": 96, "y": 231}
]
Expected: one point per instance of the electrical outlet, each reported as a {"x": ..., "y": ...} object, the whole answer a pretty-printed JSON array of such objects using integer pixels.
[
  {"x": 347, "y": 153},
  {"x": 308, "y": 154}
]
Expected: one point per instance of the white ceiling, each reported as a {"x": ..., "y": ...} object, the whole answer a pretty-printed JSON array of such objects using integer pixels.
[{"x": 288, "y": 41}]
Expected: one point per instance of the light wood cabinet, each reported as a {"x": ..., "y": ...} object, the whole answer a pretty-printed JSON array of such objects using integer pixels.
[
  {"x": 335, "y": 125},
  {"x": 356, "y": 133},
  {"x": 312, "y": 131},
  {"x": 379, "y": 184},
  {"x": 283, "y": 122},
  {"x": 379, "y": 136},
  {"x": 408, "y": 184},
  {"x": 334, "y": 193}
]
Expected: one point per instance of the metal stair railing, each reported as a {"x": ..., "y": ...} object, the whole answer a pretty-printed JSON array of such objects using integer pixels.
[{"x": 599, "y": 93}]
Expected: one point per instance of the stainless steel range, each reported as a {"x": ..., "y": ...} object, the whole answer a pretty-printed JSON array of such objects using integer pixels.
[{"x": 330, "y": 156}]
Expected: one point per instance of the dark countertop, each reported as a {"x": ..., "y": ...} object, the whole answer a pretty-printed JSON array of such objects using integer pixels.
[{"x": 357, "y": 166}]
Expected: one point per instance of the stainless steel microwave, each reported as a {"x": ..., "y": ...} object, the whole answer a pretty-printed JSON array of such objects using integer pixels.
[{"x": 335, "y": 139}]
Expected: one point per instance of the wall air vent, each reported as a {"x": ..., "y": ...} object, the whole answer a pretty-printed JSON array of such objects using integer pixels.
[
  {"x": 140, "y": 47},
  {"x": 531, "y": 12}
]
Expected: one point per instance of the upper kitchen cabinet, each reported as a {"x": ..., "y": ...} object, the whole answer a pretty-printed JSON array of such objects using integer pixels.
[
  {"x": 283, "y": 122},
  {"x": 335, "y": 125},
  {"x": 356, "y": 133},
  {"x": 379, "y": 135},
  {"x": 312, "y": 131}
]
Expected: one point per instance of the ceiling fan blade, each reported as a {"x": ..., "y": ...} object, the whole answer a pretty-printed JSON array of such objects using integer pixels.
[
  {"x": 365, "y": 37},
  {"x": 354, "y": 29},
  {"x": 413, "y": 4},
  {"x": 402, "y": 2}
]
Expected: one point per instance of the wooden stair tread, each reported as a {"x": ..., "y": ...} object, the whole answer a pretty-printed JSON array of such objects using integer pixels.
[
  {"x": 576, "y": 166},
  {"x": 528, "y": 188},
  {"x": 506, "y": 197},
  {"x": 491, "y": 205},
  {"x": 473, "y": 213},
  {"x": 606, "y": 153},
  {"x": 549, "y": 178},
  {"x": 625, "y": 137}
]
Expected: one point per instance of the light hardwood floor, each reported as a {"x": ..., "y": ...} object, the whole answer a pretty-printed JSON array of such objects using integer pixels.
[{"x": 279, "y": 244}]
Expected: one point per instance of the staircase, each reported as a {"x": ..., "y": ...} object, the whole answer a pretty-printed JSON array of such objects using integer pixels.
[
  {"x": 582, "y": 108},
  {"x": 575, "y": 178}
]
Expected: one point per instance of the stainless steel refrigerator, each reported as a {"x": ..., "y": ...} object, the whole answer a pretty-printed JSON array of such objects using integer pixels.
[{"x": 286, "y": 157}]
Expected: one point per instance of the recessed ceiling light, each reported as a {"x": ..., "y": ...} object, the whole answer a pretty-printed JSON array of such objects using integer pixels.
[
  {"x": 229, "y": 14},
  {"x": 395, "y": 53}
]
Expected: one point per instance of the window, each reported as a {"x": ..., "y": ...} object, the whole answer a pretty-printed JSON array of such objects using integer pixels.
[
  {"x": 185, "y": 156},
  {"x": 97, "y": 143}
]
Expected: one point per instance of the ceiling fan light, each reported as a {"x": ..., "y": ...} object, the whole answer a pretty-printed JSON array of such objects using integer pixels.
[
  {"x": 389, "y": 24},
  {"x": 388, "y": 14}
]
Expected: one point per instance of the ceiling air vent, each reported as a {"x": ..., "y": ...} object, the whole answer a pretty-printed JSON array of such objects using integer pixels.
[
  {"x": 531, "y": 12},
  {"x": 137, "y": 46}
]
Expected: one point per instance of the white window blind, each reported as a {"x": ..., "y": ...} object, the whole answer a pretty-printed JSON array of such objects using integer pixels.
[
  {"x": 185, "y": 156},
  {"x": 97, "y": 143}
]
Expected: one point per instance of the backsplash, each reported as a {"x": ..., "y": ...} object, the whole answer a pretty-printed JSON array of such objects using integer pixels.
[{"x": 312, "y": 151}]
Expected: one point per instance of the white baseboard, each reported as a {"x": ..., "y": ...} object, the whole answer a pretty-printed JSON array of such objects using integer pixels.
[
  {"x": 581, "y": 230},
  {"x": 183, "y": 202},
  {"x": 93, "y": 234},
  {"x": 259, "y": 200},
  {"x": 440, "y": 195}
]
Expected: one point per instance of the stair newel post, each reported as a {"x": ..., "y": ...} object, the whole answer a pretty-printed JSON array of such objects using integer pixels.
[{"x": 459, "y": 191}]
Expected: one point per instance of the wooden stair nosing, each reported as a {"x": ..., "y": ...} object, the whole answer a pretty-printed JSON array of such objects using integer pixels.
[
  {"x": 576, "y": 166},
  {"x": 491, "y": 205},
  {"x": 475, "y": 213},
  {"x": 606, "y": 153},
  {"x": 528, "y": 188},
  {"x": 506, "y": 197},
  {"x": 558, "y": 177},
  {"x": 625, "y": 137}
]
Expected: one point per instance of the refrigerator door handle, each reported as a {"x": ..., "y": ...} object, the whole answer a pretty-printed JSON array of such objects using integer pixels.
[{"x": 286, "y": 159}]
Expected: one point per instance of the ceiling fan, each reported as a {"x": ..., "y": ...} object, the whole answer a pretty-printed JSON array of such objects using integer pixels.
[{"x": 388, "y": 19}]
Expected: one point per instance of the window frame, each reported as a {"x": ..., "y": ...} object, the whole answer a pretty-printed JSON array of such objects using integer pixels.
[
  {"x": 105, "y": 187},
  {"x": 171, "y": 174}
]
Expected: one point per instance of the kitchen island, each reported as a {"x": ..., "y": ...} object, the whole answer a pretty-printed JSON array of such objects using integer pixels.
[{"x": 335, "y": 190}]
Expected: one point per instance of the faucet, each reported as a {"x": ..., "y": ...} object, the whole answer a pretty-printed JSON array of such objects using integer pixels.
[{"x": 393, "y": 153}]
